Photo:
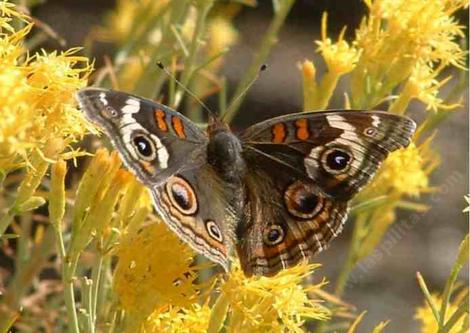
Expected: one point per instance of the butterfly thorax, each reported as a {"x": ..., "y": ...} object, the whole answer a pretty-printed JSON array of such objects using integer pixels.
[{"x": 224, "y": 154}]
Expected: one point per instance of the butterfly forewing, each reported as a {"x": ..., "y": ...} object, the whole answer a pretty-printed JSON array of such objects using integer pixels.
[
  {"x": 339, "y": 150},
  {"x": 153, "y": 140}
]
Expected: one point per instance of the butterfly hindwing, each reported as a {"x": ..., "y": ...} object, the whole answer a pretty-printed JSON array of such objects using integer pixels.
[
  {"x": 197, "y": 205},
  {"x": 286, "y": 219}
]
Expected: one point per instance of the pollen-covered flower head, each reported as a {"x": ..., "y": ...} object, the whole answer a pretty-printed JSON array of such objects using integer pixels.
[
  {"x": 406, "y": 171},
  {"x": 37, "y": 95},
  {"x": 155, "y": 268},
  {"x": 275, "y": 304},
  {"x": 340, "y": 57},
  {"x": 193, "y": 319},
  {"x": 399, "y": 35}
]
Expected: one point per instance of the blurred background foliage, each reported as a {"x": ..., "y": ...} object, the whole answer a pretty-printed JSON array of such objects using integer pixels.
[{"x": 79, "y": 241}]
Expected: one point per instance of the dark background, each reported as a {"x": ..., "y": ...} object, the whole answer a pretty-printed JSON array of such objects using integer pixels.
[{"x": 386, "y": 287}]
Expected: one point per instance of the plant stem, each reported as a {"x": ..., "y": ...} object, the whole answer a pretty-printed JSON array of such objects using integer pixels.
[
  {"x": 463, "y": 308},
  {"x": 96, "y": 278},
  {"x": 68, "y": 272},
  {"x": 346, "y": 269},
  {"x": 450, "y": 282},
  {"x": 427, "y": 296},
  {"x": 189, "y": 64},
  {"x": 5, "y": 221},
  {"x": 266, "y": 44}
]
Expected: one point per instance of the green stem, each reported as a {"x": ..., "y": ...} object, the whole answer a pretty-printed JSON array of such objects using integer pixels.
[
  {"x": 101, "y": 298},
  {"x": 189, "y": 64},
  {"x": 427, "y": 296},
  {"x": 451, "y": 280},
  {"x": 24, "y": 240},
  {"x": 5, "y": 221},
  {"x": 463, "y": 308},
  {"x": 267, "y": 43},
  {"x": 96, "y": 278},
  {"x": 68, "y": 272}
]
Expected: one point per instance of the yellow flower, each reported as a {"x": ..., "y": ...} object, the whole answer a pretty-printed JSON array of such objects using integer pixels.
[
  {"x": 340, "y": 57},
  {"x": 406, "y": 171},
  {"x": 155, "y": 269},
  {"x": 37, "y": 99},
  {"x": 427, "y": 320},
  {"x": 194, "y": 319},
  {"x": 424, "y": 86},
  {"x": 396, "y": 36},
  {"x": 275, "y": 304}
]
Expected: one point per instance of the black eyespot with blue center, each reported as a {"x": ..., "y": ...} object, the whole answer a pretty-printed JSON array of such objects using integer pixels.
[
  {"x": 144, "y": 146},
  {"x": 336, "y": 160},
  {"x": 273, "y": 235}
]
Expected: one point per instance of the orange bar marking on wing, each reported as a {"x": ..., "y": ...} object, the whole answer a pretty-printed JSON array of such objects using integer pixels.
[
  {"x": 178, "y": 127},
  {"x": 279, "y": 133},
  {"x": 302, "y": 132},
  {"x": 161, "y": 121}
]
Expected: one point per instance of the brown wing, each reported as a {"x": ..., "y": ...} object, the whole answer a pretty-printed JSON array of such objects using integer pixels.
[
  {"x": 286, "y": 220},
  {"x": 198, "y": 206},
  {"x": 339, "y": 150},
  {"x": 302, "y": 171}
]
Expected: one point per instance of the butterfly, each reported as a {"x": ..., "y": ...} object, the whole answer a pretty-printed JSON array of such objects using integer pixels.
[{"x": 277, "y": 193}]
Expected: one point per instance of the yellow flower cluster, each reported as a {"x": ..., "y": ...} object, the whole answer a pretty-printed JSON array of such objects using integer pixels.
[
  {"x": 406, "y": 171},
  {"x": 398, "y": 36},
  {"x": 277, "y": 304},
  {"x": 193, "y": 319},
  {"x": 158, "y": 275},
  {"x": 157, "y": 287},
  {"x": 340, "y": 57},
  {"x": 399, "y": 41},
  {"x": 37, "y": 100}
]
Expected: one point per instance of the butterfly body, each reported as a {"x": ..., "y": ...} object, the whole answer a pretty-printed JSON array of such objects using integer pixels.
[
  {"x": 224, "y": 154},
  {"x": 276, "y": 194}
]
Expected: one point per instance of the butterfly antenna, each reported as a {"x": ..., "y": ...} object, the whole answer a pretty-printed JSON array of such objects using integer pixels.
[
  {"x": 193, "y": 95},
  {"x": 233, "y": 103}
]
